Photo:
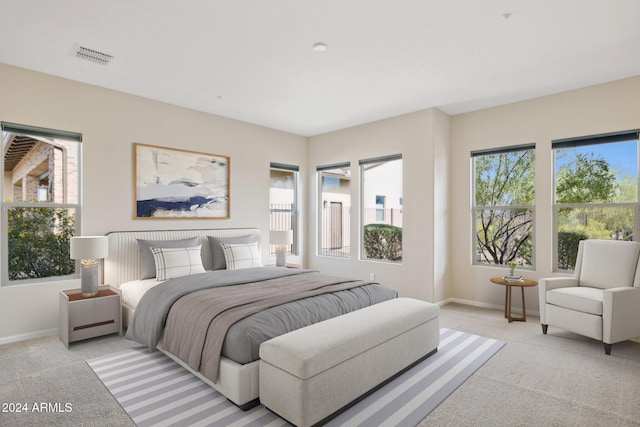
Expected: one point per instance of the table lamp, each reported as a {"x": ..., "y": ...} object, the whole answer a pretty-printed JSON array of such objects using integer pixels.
[
  {"x": 88, "y": 249},
  {"x": 281, "y": 238}
]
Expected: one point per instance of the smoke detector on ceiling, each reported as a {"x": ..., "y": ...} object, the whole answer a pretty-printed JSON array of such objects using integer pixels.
[{"x": 92, "y": 55}]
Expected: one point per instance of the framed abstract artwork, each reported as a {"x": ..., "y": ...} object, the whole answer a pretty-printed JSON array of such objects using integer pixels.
[{"x": 172, "y": 183}]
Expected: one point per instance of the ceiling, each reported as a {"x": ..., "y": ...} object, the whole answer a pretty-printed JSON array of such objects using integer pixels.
[{"x": 252, "y": 60}]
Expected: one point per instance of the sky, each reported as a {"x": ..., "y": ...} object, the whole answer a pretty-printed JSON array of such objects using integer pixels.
[{"x": 621, "y": 156}]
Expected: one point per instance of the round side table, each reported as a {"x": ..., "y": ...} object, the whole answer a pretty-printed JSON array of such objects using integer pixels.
[{"x": 524, "y": 283}]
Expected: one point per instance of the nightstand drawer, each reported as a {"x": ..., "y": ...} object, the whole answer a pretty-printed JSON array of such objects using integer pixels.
[
  {"x": 83, "y": 313},
  {"x": 83, "y": 318},
  {"x": 93, "y": 317},
  {"x": 95, "y": 330}
]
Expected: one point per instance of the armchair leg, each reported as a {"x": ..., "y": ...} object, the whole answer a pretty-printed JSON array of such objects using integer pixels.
[
  {"x": 607, "y": 348},
  {"x": 544, "y": 328}
]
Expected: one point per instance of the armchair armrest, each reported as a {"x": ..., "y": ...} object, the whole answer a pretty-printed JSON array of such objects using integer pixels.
[
  {"x": 620, "y": 314},
  {"x": 557, "y": 282},
  {"x": 552, "y": 283}
]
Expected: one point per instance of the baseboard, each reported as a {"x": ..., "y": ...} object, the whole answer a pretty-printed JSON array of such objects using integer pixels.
[
  {"x": 485, "y": 305},
  {"x": 30, "y": 335},
  {"x": 54, "y": 331},
  {"x": 495, "y": 307}
]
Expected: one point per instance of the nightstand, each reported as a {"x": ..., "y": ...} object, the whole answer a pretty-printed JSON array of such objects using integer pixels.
[{"x": 82, "y": 318}]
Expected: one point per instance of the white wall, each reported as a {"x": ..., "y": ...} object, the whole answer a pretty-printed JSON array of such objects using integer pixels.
[
  {"x": 110, "y": 122},
  {"x": 421, "y": 138},
  {"x": 594, "y": 110}
]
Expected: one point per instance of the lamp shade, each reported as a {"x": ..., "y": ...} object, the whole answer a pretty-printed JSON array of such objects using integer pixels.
[
  {"x": 89, "y": 247},
  {"x": 281, "y": 237}
]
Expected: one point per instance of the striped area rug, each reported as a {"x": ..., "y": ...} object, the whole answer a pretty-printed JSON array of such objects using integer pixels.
[{"x": 156, "y": 391}]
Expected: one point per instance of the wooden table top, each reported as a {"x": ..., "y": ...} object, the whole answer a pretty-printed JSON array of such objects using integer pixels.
[{"x": 523, "y": 282}]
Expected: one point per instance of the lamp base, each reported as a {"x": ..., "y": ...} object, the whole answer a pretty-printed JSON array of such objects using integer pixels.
[
  {"x": 89, "y": 279},
  {"x": 281, "y": 257}
]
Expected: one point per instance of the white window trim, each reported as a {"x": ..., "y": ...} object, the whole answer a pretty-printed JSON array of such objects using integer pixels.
[
  {"x": 48, "y": 136},
  {"x": 475, "y": 208},
  {"x": 362, "y": 163},
  {"x": 582, "y": 141}
]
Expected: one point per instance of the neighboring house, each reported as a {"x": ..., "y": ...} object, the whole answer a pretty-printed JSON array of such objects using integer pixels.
[
  {"x": 39, "y": 170},
  {"x": 336, "y": 215},
  {"x": 382, "y": 194}
]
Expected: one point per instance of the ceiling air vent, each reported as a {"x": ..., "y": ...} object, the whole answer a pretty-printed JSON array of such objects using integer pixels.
[{"x": 93, "y": 55}]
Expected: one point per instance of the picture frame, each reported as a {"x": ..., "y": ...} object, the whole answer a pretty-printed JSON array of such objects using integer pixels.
[{"x": 172, "y": 183}]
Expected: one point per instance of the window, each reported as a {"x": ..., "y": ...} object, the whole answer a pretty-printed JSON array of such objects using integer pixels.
[
  {"x": 283, "y": 200},
  {"x": 381, "y": 219},
  {"x": 380, "y": 207},
  {"x": 503, "y": 211},
  {"x": 335, "y": 210},
  {"x": 40, "y": 202},
  {"x": 596, "y": 191}
]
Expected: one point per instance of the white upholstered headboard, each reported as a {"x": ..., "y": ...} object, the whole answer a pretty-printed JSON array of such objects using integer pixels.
[{"x": 124, "y": 265}]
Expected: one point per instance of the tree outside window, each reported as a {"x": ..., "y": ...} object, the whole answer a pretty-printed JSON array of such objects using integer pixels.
[
  {"x": 40, "y": 201},
  {"x": 596, "y": 182},
  {"x": 504, "y": 198}
]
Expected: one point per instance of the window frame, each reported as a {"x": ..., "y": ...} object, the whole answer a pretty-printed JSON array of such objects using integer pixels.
[
  {"x": 48, "y": 136},
  {"x": 599, "y": 139},
  {"x": 320, "y": 251},
  {"x": 476, "y": 260},
  {"x": 294, "y": 248},
  {"x": 362, "y": 164}
]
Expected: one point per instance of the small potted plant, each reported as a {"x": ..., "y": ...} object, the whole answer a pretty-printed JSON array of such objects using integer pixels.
[
  {"x": 512, "y": 273},
  {"x": 512, "y": 268}
]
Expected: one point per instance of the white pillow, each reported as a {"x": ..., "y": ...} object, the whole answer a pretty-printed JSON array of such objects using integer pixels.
[
  {"x": 241, "y": 255},
  {"x": 176, "y": 262}
]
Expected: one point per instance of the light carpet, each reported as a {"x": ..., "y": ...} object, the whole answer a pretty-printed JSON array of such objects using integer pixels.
[{"x": 155, "y": 391}]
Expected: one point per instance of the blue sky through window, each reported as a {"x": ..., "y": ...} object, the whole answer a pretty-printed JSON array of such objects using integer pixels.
[{"x": 621, "y": 156}]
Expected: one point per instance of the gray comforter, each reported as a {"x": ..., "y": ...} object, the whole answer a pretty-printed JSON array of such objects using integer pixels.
[
  {"x": 148, "y": 320},
  {"x": 253, "y": 305}
]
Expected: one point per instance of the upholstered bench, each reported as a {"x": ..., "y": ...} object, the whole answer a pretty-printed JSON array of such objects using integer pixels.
[{"x": 311, "y": 373}]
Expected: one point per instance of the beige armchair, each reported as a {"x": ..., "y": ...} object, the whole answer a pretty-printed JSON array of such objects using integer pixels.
[{"x": 602, "y": 299}]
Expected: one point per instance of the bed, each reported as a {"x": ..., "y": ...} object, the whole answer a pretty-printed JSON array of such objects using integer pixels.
[{"x": 180, "y": 307}]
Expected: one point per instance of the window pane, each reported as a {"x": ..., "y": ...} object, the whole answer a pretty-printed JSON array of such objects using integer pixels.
[
  {"x": 597, "y": 173},
  {"x": 504, "y": 236},
  {"x": 38, "y": 242},
  {"x": 586, "y": 178},
  {"x": 575, "y": 224},
  {"x": 380, "y": 208},
  {"x": 41, "y": 199},
  {"x": 382, "y": 222},
  {"x": 503, "y": 180},
  {"x": 282, "y": 200},
  {"x": 335, "y": 209},
  {"x": 40, "y": 171}
]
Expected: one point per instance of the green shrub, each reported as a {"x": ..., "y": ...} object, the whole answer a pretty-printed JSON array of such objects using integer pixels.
[
  {"x": 383, "y": 241},
  {"x": 38, "y": 241},
  {"x": 568, "y": 248}
]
